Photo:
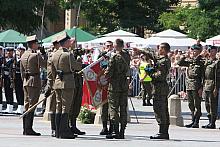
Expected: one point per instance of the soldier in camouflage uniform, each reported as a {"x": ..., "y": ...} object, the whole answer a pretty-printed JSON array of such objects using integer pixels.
[
  {"x": 105, "y": 107},
  {"x": 117, "y": 72},
  {"x": 210, "y": 88},
  {"x": 195, "y": 76},
  {"x": 160, "y": 91}
]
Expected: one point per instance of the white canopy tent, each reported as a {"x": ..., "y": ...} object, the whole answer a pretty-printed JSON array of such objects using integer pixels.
[
  {"x": 176, "y": 40},
  {"x": 213, "y": 41},
  {"x": 127, "y": 37}
]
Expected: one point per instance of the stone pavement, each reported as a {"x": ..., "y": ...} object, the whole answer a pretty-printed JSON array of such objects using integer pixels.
[{"x": 136, "y": 134}]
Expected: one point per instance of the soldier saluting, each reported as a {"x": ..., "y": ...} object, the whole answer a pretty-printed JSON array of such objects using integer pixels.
[
  {"x": 194, "y": 79},
  {"x": 63, "y": 66},
  {"x": 30, "y": 65}
]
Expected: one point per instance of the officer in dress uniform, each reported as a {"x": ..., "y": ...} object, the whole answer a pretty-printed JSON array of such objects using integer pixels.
[
  {"x": 31, "y": 62},
  {"x": 9, "y": 79},
  {"x": 18, "y": 81},
  {"x": 49, "y": 92},
  {"x": 194, "y": 79},
  {"x": 63, "y": 66},
  {"x": 210, "y": 88}
]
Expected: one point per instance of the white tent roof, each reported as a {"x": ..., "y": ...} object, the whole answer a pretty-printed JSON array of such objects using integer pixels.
[
  {"x": 120, "y": 33},
  {"x": 127, "y": 37},
  {"x": 175, "y": 43},
  {"x": 213, "y": 41},
  {"x": 170, "y": 34}
]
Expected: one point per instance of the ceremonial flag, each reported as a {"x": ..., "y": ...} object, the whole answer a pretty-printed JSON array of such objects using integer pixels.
[{"x": 96, "y": 81}]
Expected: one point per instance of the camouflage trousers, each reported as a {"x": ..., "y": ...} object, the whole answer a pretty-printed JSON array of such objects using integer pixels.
[
  {"x": 160, "y": 106},
  {"x": 118, "y": 100},
  {"x": 105, "y": 112},
  {"x": 211, "y": 103},
  {"x": 194, "y": 103}
]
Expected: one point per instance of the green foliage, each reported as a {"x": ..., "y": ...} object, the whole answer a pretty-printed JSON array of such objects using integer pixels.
[
  {"x": 86, "y": 115},
  {"x": 108, "y": 15},
  {"x": 202, "y": 21},
  {"x": 25, "y": 15}
]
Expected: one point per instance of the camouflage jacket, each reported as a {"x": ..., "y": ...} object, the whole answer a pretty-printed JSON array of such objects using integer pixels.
[
  {"x": 195, "y": 72},
  {"x": 210, "y": 74},
  {"x": 117, "y": 70},
  {"x": 159, "y": 77}
]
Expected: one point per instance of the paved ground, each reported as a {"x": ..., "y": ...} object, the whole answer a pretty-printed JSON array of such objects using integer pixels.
[{"x": 136, "y": 134}]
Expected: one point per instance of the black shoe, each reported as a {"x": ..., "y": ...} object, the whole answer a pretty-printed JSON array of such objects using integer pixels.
[
  {"x": 77, "y": 131},
  {"x": 104, "y": 132},
  {"x": 149, "y": 104},
  {"x": 209, "y": 126},
  {"x": 160, "y": 136},
  {"x": 195, "y": 125},
  {"x": 189, "y": 125},
  {"x": 112, "y": 136},
  {"x": 31, "y": 132}
]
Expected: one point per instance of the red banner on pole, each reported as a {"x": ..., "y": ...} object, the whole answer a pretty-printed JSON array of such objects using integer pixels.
[{"x": 96, "y": 82}]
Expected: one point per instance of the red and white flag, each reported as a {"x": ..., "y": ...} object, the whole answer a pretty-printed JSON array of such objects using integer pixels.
[{"x": 96, "y": 82}]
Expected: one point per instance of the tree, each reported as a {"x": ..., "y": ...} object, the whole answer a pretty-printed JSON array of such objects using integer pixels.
[
  {"x": 108, "y": 15},
  {"x": 199, "y": 22},
  {"x": 25, "y": 15}
]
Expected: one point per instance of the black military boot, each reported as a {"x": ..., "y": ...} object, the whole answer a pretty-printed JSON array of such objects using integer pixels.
[
  {"x": 122, "y": 132},
  {"x": 104, "y": 129},
  {"x": 28, "y": 125},
  {"x": 209, "y": 117},
  {"x": 196, "y": 123},
  {"x": 57, "y": 123},
  {"x": 53, "y": 125},
  {"x": 115, "y": 133},
  {"x": 163, "y": 133},
  {"x": 212, "y": 124},
  {"x": 65, "y": 131},
  {"x": 193, "y": 121},
  {"x": 74, "y": 129}
]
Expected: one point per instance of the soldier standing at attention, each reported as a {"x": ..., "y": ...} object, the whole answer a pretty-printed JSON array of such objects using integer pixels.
[
  {"x": 210, "y": 90},
  {"x": 105, "y": 107},
  {"x": 49, "y": 92},
  {"x": 117, "y": 72},
  {"x": 195, "y": 76},
  {"x": 160, "y": 91},
  {"x": 9, "y": 79},
  {"x": 63, "y": 66},
  {"x": 30, "y": 65},
  {"x": 77, "y": 97},
  {"x": 19, "y": 92}
]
